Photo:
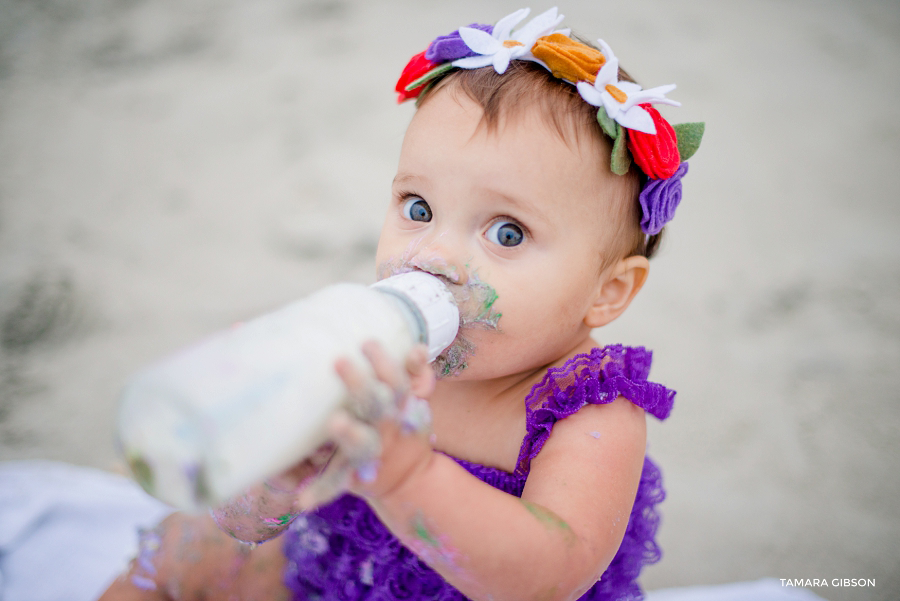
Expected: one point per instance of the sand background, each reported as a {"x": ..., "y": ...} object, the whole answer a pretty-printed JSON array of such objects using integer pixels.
[{"x": 168, "y": 168}]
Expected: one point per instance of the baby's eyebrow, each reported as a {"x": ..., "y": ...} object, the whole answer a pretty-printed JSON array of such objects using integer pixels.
[
  {"x": 402, "y": 178},
  {"x": 525, "y": 205}
]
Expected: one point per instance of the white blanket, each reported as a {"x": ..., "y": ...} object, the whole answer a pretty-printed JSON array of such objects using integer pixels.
[{"x": 67, "y": 531}]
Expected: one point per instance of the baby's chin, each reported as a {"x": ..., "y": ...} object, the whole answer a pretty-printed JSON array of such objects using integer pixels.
[
  {"x": 465, "y": 358},
  {"x": 455, "y": 358}
]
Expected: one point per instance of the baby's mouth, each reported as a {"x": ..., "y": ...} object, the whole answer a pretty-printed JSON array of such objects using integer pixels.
[{"x": 475, "y": 300}]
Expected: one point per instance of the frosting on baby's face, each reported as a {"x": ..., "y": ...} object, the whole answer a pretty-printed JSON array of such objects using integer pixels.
[
  {"x": 474, "y": 299},
  {"x": 512, "y": 220}
]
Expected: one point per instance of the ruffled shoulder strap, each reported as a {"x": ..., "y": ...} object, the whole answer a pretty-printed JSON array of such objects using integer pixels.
[{"x": 597, "y": 377}]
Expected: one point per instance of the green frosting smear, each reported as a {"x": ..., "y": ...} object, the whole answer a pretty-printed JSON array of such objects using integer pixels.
[
  {"x": 421, "y": 531},
  {"x": 142, "y": 472},
  {"x": 545, "y": 515}
]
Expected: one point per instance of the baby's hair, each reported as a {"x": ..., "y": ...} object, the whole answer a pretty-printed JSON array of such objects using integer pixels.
[{"x": 526, "y": 84}]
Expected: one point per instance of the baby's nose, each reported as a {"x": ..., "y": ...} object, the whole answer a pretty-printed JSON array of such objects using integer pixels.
[
  {"x": 440, "y": 257},
  {"x": 439, "y": 267}
]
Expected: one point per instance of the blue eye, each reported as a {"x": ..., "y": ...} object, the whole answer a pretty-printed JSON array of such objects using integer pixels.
[
  {"x": 417, "y": 209},
  {"x": 505, "y": 233}
]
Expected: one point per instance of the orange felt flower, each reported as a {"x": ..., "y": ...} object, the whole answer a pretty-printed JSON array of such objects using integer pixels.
[
  {"x": 656, "y": 154},
  {"x": 568, "y": 59}
]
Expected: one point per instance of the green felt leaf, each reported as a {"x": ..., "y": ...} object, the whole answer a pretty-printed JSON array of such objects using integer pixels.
[
  {"x": 610, "y": 127},
  {"x": 620, "y": 160},
  {"x": 424, "y": 91},
  {"x": 439, "y": 70},
  {"x": 688, "y": 136}
]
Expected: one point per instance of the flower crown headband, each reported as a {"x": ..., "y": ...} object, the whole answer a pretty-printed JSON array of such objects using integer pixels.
[{"x": 625, "y": 114}]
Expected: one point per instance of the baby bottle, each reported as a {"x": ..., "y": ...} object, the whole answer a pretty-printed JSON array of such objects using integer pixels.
[{"x": 206, "y": 423}]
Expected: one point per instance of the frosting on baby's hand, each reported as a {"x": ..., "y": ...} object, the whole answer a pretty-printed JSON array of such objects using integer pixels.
[{"x": 384, "y": 435}]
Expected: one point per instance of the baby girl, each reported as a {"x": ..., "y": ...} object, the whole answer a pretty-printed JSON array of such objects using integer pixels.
[{"x": 535, "y": 179}]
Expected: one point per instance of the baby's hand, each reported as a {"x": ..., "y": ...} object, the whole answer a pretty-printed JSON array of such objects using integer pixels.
[{"x": 385, "y": 438}]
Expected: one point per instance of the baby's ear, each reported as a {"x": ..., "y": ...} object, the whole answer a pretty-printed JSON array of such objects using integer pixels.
[{"x": 616, "y": 291}]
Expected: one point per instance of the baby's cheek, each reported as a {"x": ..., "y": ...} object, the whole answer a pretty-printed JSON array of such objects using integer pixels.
[{"x": 478, "y": 303}]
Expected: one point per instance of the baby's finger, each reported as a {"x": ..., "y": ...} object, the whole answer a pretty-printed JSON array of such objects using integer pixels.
[
  {"x": 358, "y": 441},
  {"x": 421, "y": 376},
  {"x": 386, "y": 369},
  {"x": 417, "y": 361},
  {"x": 359, "y": 446},
  {"x": 369, "y": 400},
  {"x": 353, "y": 378},
  {"x": 416, "y": 415}
]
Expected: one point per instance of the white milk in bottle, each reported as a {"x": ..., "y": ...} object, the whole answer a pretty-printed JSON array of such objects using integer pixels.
[{"x": 249, "y": 402}]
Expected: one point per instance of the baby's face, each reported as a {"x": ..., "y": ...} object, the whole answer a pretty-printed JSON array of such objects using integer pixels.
[{"x": 513, "y": 219}]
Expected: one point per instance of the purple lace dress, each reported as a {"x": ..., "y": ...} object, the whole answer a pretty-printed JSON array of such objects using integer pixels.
[{"x": 342, "y": 551}]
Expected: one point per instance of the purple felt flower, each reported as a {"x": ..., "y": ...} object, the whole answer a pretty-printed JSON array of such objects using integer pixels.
[
  {"x": 451, "y": 47},
  {"x": 659, "y": 199}
]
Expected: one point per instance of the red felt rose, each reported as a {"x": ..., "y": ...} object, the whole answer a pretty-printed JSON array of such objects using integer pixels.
[
  {"x": 656, "y": 154},
  {"x": 415, "y": 68}
]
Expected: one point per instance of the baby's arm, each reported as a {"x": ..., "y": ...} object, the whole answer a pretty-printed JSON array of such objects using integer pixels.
[{"x": 553, "y": 543}]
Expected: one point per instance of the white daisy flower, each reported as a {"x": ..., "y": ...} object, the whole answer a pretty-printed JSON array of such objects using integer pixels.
[
  {"x": 502, "y": 46},
  {"x": 620, "y": 99}
]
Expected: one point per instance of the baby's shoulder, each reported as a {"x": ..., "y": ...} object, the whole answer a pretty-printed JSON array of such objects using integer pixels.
[
  {"x": 596, "y": 377},
  {"x": 591, "y": 392}
]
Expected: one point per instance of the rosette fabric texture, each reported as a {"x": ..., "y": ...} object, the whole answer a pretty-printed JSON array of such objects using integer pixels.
[{"x": 659, "y": 198}]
